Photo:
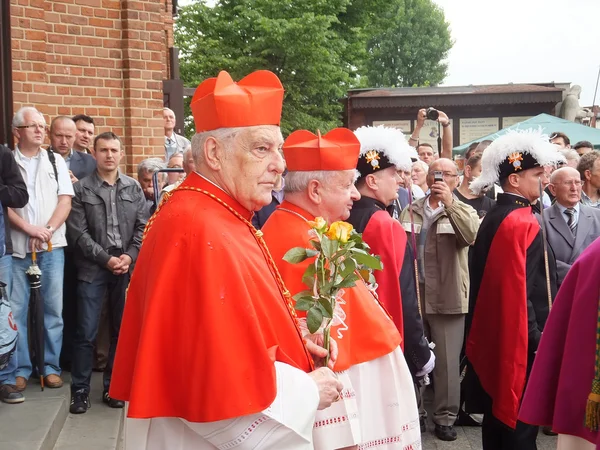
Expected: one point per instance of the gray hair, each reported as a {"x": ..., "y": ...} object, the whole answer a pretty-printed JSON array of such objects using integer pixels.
[
  {"x": 422, "y": 165},
  {"x": 170, "y": 110},
  {"x": 223, "y": 135},
  {"x": 150, "y": 165},
  {"x": 19, "y": 117},
  {"x": 571, "y": 155},
  {"x": 176, "y": 155},
  {"x": 298, "y": 181}
]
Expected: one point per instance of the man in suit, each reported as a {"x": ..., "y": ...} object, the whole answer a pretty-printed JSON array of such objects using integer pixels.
[
  {"x": 62, "y": 138},
  {"x": 571, "y": 226}
]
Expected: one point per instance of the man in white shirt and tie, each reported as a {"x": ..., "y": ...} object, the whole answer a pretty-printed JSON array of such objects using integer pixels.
[
  {"x": 173, "y": 142},
  {"x": 571, "y": 225}
]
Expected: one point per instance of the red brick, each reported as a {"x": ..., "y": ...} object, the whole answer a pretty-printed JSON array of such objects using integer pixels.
[
  {"x": 59, "y": 7},
  {"x": 65, "y": 111},
  {"x": 89, "y": 41},
  {"x": 61, "y": 39},
  {"x": 101, "y": 23},
  {"x": 63, "y": 79},
  {"x": 101, "y": 32},
  {"x": 74, "y": 29}
]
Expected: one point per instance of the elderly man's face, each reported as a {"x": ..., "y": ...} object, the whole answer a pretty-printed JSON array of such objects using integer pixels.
[
  {"x": 33, "y": 130},
  {"x": 339, "y": 194},
  {"x": 169, "y": 120},
  {"x": 566, "y": 186},
  {"x": 251, "y": 167},
  {"x": 175, "y": 162},
  {"x": 145, "y": 179}
]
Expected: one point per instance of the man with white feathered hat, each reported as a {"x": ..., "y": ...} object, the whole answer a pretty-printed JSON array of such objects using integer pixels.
[
  {"x": 443, "y": 228},
  {"x": 384, "y": 155},
  {"x": 512, "y": 288}
]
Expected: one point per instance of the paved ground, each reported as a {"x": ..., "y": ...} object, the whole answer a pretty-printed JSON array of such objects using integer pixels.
[{"x": 469, "y": 438}]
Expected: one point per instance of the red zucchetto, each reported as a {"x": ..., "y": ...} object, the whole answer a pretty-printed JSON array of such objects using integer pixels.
[{"x": 337, "y": 150}]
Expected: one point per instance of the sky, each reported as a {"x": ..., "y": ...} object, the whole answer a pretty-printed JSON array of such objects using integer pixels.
[{"x": 523, "y": 41}]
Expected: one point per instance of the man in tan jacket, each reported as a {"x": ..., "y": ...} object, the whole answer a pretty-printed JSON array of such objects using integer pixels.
[{"x": 444, "y": 228}]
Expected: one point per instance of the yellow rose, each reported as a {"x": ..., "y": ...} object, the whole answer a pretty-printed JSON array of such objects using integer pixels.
[
  {"x": 318, "y": 224},
  {"x": 339, "y": 231}
]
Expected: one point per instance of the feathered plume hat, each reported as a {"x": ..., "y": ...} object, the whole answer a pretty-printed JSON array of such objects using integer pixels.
[
  {"x": 382, "y": 147},
  {"x": 514, "y": 152}
]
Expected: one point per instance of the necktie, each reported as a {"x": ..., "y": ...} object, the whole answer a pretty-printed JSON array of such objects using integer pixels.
[{"x": 571, "y": 222}]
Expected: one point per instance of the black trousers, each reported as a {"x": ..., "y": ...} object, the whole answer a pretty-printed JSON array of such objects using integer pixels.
[
  {"x": 90, "y": 299},
  {"x": 497, "y": 436}
]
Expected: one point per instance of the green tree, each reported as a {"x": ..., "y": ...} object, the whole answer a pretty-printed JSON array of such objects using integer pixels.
[
  {"x": 318, "y": 48},
  {"x": 408, "y": 46},
  {"x": 295, "y": 39}
]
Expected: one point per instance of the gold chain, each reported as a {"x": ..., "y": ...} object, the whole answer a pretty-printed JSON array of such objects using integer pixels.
[{"x": 258, "y": 235}]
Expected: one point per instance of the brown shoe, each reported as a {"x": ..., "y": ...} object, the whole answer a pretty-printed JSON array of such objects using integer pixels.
[
  {"x": 20, "y": 384},
  {"x": 53, "y": 381}
]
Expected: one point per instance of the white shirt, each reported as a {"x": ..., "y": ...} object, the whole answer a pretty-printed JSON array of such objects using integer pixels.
[{"x": 43, "y": 191}]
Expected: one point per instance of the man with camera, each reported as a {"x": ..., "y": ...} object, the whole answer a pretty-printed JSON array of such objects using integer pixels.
[
  {"x": 444, "y": 227},
  {"x": 444, "y": 137}
]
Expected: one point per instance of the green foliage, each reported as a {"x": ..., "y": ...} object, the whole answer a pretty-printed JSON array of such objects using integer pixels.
[
  {"x": 408, "y": 46},
  {"x": 318, "y": 48}
]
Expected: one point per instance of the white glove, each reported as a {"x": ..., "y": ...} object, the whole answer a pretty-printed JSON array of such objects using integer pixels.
[{"x": 427, "y": 368}]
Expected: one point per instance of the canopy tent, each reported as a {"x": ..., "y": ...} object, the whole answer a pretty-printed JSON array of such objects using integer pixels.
[{"x": 549, "y": 124}]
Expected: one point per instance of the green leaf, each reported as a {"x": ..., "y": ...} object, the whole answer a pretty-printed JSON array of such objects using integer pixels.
[
  {"x": 309, "y": 276},
  {"x": 295, "y": 255},
  {"x": 310, "y": 252},
  {"x": 349, "y": 267},
  {"x": 329, "y": 247},
  {"x": 314, "y": 318},
  {"x": 349, "y": 281},
  {"x": 327, "y": 306},
  {"x": 370, "y": 261},
  {"x": 299, "y": 295},
  {"x": 304, "y": 304}
]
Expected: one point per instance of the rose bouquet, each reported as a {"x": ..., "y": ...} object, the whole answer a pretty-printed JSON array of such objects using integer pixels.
[{"x": 341, "y": 259}]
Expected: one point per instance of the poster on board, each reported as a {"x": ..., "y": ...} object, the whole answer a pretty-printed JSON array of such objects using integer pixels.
[
  {"x": 510, "y": 121},
  {"x": 472, "y": 129},
  {"x": 429, "y": 132},
  {"x": 402, "y": 125}
]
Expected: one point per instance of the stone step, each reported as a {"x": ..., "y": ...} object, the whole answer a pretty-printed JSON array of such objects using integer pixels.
[
  {"x": 100, "y": 428},
  {"x": 36, "y": 423}
]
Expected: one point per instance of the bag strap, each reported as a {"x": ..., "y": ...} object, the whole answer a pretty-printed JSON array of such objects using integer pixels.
[{"x": 52, "y": 159}]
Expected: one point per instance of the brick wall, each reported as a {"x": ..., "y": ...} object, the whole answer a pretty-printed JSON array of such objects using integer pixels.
[{"x": 103, "y": 58}]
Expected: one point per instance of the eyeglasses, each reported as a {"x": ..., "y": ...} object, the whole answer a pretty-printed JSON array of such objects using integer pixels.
[
  {"x": 41, "y": 126},
  {"x": 576, "y": 183}
]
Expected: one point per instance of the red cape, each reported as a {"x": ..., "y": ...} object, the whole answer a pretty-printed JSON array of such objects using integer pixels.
[
  {"x": 497, "y": 342},
  {"x": 371, "y": 333},
  {"x": 563, "y": 370},
  {"x": 204, "y": 318},
  {"x": 387, "y": 238}
]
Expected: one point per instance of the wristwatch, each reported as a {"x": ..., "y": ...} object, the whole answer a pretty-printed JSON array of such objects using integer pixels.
[{"x": 48, "y": 227}]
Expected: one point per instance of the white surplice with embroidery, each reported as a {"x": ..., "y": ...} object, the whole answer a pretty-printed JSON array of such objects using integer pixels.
[{"x": 286, "y": 424}]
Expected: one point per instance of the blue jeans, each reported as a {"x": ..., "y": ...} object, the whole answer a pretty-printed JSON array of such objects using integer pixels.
[
  {"x": 6, "y": 278},
  {"x": 90, "y": 297},
  {"x": 52, "y": 267}
]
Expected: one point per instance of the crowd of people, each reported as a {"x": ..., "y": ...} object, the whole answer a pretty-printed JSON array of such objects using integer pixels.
[{"x": 473, "y": 257}]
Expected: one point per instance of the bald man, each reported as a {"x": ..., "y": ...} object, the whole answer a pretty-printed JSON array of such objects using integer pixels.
[
  {"x": 444, "y": 229},
  {"x": 571, "y": 225},
  {"x": 62, "y": 138},
  {"x": 173, "y": 142}
]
